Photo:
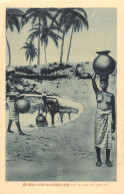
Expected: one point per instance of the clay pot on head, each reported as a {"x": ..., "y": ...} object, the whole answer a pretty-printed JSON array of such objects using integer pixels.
[
  {"x": 104, "y": 64},
  {"x": 22, "y": 105}
]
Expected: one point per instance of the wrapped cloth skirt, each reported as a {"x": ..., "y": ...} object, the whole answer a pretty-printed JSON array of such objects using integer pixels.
[
  {"x": 13, "y": 114},
  {"x": 103, "y": 130}
]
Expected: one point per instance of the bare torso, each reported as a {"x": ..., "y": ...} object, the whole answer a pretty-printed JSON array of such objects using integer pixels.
[{"x": 104, "y": 100}]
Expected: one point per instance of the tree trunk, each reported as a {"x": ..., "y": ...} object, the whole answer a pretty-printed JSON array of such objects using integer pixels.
[
  {"x": 30, "y": 62},
  {"x": 45, "y": 53},
  {"x": 70, "y": 44},
  {"x": 38, "y": 55},
  {"x": 61, "y": 55},
  {"x": 9, "y": 51}
]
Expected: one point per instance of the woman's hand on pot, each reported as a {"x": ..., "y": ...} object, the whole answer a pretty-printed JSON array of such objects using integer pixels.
[{"x": 93, "y": 75}]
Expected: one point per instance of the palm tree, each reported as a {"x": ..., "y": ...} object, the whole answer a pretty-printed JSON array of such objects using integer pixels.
[
  {"x": 63, "y": 24},
  {"x": 45, "y": 34},
  {"x": 49, "y": 32},
  {"x": 40, "y": 15},
  {"x": 65, "y": 15},
  {"x": 30, "y": 52},
  {"x": 13, "y": 17},
  {"x": 77, "y": 21}
]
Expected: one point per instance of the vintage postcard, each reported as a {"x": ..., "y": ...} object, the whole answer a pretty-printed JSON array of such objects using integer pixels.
[{"x": 61, "y": 97}]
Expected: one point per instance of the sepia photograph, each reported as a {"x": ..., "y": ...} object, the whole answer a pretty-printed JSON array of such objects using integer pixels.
[{"x": 61, "y": 94}]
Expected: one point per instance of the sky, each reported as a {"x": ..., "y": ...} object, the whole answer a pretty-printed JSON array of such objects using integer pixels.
[{"x": 101, "y": 35}]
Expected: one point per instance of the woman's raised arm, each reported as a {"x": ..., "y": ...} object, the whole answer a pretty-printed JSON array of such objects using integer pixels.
[{"x": 94, "y": 83}]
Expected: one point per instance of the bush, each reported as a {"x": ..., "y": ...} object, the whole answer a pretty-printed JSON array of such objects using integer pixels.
[
  {"x": 77, "y": 72},
  {"x": 24, "y": 69},
  {"x": 61, "y": 66},
  {"x": 55, "y": 64},
  {"x": 53, "y": 68}
]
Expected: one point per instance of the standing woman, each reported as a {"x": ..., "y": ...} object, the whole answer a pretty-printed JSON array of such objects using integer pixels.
[
  {"x": 104, "y": 119},
  {"x": 11, "y": 88}
]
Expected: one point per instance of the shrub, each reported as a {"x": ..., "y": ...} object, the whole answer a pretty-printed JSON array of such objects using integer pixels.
[
  {"x": 61, "y": 66},
  {"x": 24, "y": 69},
  {"x": 77, "y": 73}
]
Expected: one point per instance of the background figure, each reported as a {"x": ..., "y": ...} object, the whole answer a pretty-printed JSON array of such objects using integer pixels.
[
  {"x": 104, "y": 119},
  {"x": 11, "y": 88}
]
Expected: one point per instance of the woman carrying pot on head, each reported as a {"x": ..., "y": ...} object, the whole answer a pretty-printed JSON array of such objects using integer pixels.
[
  {"x": 104, "y": 119},
  {"x": 11, "y": 88}
]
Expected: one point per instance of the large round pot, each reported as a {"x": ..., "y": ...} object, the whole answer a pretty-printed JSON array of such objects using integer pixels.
[
  {"x": 104, "y": 64},
  {"x": 40, "y": 119},
  {"x": 22, "y": 105}
]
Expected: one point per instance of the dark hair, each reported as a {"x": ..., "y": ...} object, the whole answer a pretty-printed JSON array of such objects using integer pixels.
[{"x": 104, "y": 78}]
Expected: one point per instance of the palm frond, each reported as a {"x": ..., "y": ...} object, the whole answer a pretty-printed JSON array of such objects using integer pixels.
[
  {"x": 34, "y": 20},
  {"x": 31, "y": 51},
  {"x": 41, "y": 25},
  {"x": 33, "y": 35},
  {"x": 81, "y": 17},
  {"x": 16, "y": 24},
  {"x": 36, "y": 29},
  {"x": 24, "y": 47},
  {"x": 55, "y": 42},
  {"x": 82, "y": 11},
  {"x": 27, "y": 56},
  {"x": 31, "y": 11},
  {"x": 12, "y": 18},
  {"x": 15, "y": 12},
  {"x": 56, "y": 28}
]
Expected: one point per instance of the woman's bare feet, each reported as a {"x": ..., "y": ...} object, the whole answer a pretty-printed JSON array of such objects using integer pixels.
[
  {"x": 98, "y": 163},
  {"x": 108, "y": 163}
]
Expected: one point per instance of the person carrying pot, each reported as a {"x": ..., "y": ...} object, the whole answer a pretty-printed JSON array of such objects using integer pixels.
[
  {"x": 12, "y": 89},
  {"x": 104, "y": 119}
]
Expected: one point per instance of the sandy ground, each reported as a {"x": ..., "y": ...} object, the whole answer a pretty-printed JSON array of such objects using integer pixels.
[{"x": 61, "y": 153}]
